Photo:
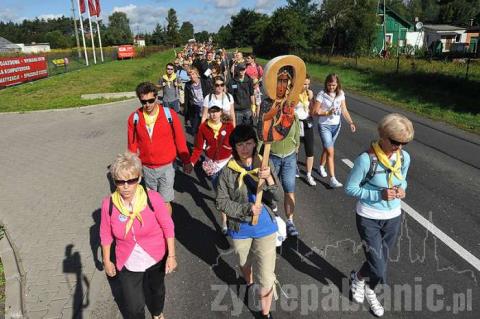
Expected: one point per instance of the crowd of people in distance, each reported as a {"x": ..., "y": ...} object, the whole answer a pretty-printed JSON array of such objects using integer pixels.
[{"x": 219, "y": 95}]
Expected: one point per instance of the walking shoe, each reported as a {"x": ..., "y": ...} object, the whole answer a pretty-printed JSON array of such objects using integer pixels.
[
  {"x": 322, "y": 171},
  {"x": 291, "y": 229},
  {"x": 269, "y": 316},
  {"x": 224, "y": 230},
  {"x": 357, "y": 288},
  {"x": 372, "y": 300},
  {"x": 334, "y": 183},
  {"x": 160, "y": 316},
  {"x": 310, "y": 180},
  {"x": 297, "y": 172}
]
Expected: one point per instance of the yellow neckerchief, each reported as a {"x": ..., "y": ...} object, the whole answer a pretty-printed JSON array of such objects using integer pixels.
[
  {"x": 151, "y": 119},
  {"x": 139, "y": 205},
  {"x": 215, "y": 127},
  {"x": 385, "y": 161},
  {"x": 303, "y": 98},
  {"x": 168, "y": 79},
  {"x": 233, "y": 164}
]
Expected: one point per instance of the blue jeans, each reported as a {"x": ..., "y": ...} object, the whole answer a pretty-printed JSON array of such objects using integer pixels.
[
  {"x": 378, "y": 237},
  {"x": 175, "y": 105},
  {"x": 328, "y": 134},
  {"x": 286, "y": 168}
]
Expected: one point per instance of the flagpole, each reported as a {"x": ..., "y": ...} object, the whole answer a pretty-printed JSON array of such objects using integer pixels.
[
  {"x": 99, "y": 39},
  {"x": 91, "y": 32},
  {"x": 83, "y": 33}
]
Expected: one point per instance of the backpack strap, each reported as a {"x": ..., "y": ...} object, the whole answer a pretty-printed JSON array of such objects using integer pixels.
[
  {"x": 135, "y": 122},
  {"x": 373, "y": 168},
  {"x": 110, "y": 207}
]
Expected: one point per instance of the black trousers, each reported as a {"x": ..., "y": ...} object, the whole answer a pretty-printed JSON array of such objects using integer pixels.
[{"x": 144, "y": 288}]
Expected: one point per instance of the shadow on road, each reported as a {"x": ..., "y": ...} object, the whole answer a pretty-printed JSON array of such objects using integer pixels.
[
  {"x": 308, "y": 261},
  {"x": 72, "y": 264}
]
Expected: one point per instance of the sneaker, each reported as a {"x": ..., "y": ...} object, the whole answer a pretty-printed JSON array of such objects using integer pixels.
[
  {"x": 291, "y": 229},
  {"x": 322, "y": 171},
  {"x": 311, "y": 181},
  {"x": 334, "y": 183},
  {"x": 297, "y": 172},
  {"x": 357, "y": 288},
  {"x": 372, "y": 300}
]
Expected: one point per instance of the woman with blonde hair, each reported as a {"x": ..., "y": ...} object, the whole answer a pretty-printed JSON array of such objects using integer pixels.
[
  {"x": 379, "y": 180},
  {"x": 140, "y": 224}
]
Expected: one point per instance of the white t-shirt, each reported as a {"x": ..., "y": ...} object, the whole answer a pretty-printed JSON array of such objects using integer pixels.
[
  {"x": 226, "y": 100},
  {"x": 327, "y": 103}
]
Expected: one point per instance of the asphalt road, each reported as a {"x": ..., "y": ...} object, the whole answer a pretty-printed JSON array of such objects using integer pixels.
[{"x": 427, "y": 278}]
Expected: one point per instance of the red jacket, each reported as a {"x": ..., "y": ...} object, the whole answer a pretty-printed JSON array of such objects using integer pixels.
[
  {"x": 205, "y": 137},
  {"x": 163, "y": 147}
]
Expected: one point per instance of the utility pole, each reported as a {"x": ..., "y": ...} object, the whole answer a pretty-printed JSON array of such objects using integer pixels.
[{"x": 76, "y": 30}]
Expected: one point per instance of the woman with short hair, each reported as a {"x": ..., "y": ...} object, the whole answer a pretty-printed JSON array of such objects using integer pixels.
[
  {"x": 255, "y": 245},
  {"x": 379, "y": 180},
  {"x": 140, "y": 224}
]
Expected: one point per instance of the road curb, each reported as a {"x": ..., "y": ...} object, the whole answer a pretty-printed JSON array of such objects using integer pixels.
[
  {"x": 14, "y": 278},
  {"x": 67, "y": 108},
  {"x": 116, "y": 95}
]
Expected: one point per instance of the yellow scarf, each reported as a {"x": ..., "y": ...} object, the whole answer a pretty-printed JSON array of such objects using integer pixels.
[
  {"x": 139, "y": 205},
  {"x": 385, "y": 161},
  {"x": 170, "y": 79},
  {"x": 215, "y": 127},
  {"x": 303, "y": 98},
  {"x": 151, "y": 119},
  {"x": 232, "y": 164}
]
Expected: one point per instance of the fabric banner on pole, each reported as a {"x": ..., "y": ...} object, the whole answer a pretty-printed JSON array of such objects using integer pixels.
[
  {"x": 82, "y": 6},
  {"x": 91, "y": 32},
  {"x": 97, "y": 6},
  {"x": 92, "y": 8}
]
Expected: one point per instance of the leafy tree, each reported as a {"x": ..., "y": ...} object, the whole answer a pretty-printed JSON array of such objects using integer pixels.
[
  {"x": 224, "y": 36},
  {"x": 186, "y": 31},
  {"x": 58, "y": 40},
  {"x": 172, "y": 35},
  {"x": 246, "y": 27},
  {"x": 159, "y": 35},
  {"x": 202, "y": 36},
  {"x": 283, "y": 34},
  {"x": 118, "y": 31}
]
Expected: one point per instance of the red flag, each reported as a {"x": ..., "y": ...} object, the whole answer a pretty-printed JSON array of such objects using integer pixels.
[
  {"x": 91, "y": 6},
  {"x": 82, "y": 6},
  {"x": 97, "y": 4}
]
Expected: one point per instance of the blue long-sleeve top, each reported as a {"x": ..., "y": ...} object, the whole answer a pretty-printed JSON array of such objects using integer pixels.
[{"x": 370, "y": 194}]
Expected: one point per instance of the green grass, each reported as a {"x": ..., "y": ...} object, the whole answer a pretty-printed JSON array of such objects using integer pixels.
[
  {"x": 2, "y": 281},
  {"x": 64, "y": 90},
  {"x": 434, "y": 91}
]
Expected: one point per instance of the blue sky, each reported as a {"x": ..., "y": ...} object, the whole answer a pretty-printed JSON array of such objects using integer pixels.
[{"x": 143, "y": 14}]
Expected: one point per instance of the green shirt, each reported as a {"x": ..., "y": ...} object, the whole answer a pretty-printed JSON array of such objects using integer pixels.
[{"x": 290, "y": 143}]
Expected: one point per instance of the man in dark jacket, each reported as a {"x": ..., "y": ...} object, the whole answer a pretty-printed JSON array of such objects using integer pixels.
[{"x": 241, "y": 88}]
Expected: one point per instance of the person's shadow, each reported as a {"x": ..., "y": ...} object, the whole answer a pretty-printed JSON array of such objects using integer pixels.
[
  {"x": 297, "y": 253},
  {"x": 72, "y": 264}
]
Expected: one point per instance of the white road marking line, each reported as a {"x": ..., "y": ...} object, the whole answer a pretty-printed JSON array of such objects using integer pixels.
[{"x": 447, "y": 240}]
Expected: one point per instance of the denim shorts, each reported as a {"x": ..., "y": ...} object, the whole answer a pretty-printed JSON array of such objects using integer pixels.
[
  {"x": 328, "y": 134},
  {"x": 286, "y": 168}
]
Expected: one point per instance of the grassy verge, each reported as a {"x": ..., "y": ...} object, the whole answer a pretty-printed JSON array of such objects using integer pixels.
[
  {"x": 64, "y": 90},
  {"x": 435, "y": 95}
]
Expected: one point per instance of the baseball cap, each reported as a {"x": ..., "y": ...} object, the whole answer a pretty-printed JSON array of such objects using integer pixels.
[
  {"x": 215, "y": 104},
  {"x": 241, "y": 66}
]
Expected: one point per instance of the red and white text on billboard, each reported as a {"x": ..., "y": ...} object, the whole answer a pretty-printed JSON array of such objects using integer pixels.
[{"x": 22, "y": 69}]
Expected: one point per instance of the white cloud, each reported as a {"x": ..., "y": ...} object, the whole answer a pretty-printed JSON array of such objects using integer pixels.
[
  {"x": 8, "y": 15},
  {"x": 143, "y": 18},
  {"x": 50, "y": 16},
  {"x": 264, "y": 4},
  {"x": 223, "y": 4}
]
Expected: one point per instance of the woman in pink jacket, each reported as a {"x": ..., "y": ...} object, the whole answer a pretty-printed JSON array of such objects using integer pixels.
[{"x": 139, "y": 223}]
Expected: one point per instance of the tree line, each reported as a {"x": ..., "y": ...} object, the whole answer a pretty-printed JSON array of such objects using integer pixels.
[{"x": 341, "y": 26}]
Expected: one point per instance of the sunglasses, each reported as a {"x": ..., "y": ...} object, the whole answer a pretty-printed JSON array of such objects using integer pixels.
[
  {"x": 149, "y": 101},
  {"x": 396, "y": 143},
  {"x": 219, "y": 84},
  {"x": 133, "y": 181},
  {"x": 169, "y": 69}
]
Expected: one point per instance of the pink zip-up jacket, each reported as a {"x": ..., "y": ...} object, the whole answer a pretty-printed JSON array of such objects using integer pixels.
[{"x": 157, "y": 226}]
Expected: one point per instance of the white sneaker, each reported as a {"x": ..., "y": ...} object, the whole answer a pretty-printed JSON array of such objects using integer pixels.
[
  {"x": 334, "y": 183},
  {"x": 372, "y": 300},
  {"x": 322, "y": 171},
  {"x": 357, "y": 288},
  {"x": 310, "y": 180}
]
